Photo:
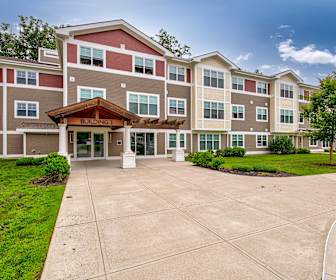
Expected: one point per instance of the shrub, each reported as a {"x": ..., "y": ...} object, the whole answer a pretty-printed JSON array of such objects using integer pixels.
[
  {"x": 231, "y": 152},
  {"x": 243, "y": 168},
  {"x": 190, "y": 157},
  {"x": 264, "y": 168},
  {"x": 216, "y": 162},
  {"x": 281, "y": 145},
  {"x": 30, "y": 161},
  {"x": 56, "y": 167},
  {"x": 302, "y": 151},
  {"x": 202, "y": 158}
]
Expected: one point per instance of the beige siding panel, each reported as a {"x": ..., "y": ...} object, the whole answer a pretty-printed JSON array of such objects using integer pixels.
[
  {"x": 41, "y": 144},
  {"x": 250, "y": 144},
  {"x": 224, "y": 143},
  {"x": 113, "y": 148},
  {"x": 112, "y": 83},
  {"x": 216, "y": 63},
  {"x": 160, "y": 146},
  {"x": 195, "y": 142},
  {"x": 48, "y": 100},
  {"x": 14, "y": 144},
  {"x": 70, "y": 145},
  {"x": 1, "y": 95},
  {"x": 181, "y": 92},
  {"x": 188, "y": 147}
]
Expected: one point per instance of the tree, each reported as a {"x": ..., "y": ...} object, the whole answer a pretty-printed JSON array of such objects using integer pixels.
[
  {"x": 321, "y": 112},
  {"x": 171, "y": 43},
  {"x": 31, "y": 34}
]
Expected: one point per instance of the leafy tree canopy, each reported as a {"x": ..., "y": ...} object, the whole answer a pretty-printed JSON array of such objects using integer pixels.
[
  {"x": 171, "y": 43},
  {"x": 31, "y": 34}
]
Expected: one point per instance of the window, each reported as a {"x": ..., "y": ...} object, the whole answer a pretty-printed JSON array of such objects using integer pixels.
[
  {"x": 213, "y": 78},
  {"x": 325, "y": 144},
  {"x": 144, "y": 65},
  {"x": 237, "y": 140},
  {"x": 91, "y": 56},
  {"x": 144, "y": 104},
  {"x": 286, "y": 91},
  {"x": 312, "y": 142},
  {"x": 286, "y": 116},
  {"x": 262, "y": 87},
  {"x": 176, "y": 73},
  {"x": 238, "y": 112},
  {"x": 301, "y": 94},
  {"x": 262, "y": 141},
  {"x": 26, "y": 77},
  {"x": 262, "y": 114},
  {"x": 208, "y": 142},
  {"x": 177, "y": 107},
  {"x": 237, "y": 83},
  {"x": 85, "y": 93},
  {"x": 26, "y": 109},
  {"x": 213, "y": 110},
  {"x": 306, "y": 95},
  {"x": 172, "y": 140},
  {"x": 301, "y": 118}
]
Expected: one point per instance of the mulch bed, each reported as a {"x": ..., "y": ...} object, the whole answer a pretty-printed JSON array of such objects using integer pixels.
[
  {"x": 254, "y": 173},
  {"x": 326, "y": 164},
  {"x": 48, "y": 181}
]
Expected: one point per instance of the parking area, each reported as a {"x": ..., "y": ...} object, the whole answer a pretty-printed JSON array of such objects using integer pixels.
[{"x": 168, "y": 220}]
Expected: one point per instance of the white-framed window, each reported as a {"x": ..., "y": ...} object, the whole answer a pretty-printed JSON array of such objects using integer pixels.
[
  {"x": 213, "y": 78},
  {"x": 71, "y": 137},
  {"x": 91, "y": 56},
  {"x": 177, "y": 107},
  {"x": 143, "y": 65},
  {"x": 312, "y": 142},
  {"x": 301, "y": 94},
  {"x": 209, "y": 142},
  {"x": 262, "y": 87},
  {"x": 177, "y": 73},
  {"x": 262, "y": 114},
  {"x": 143, "y": 104},
  {"x": 85, "y": 93},
  {"x": 286, "y": 116},
  {"x": 172, "y": 140},
  {"x": 301, "y": 118},
  {"x": 237, "y": 83},
  {"x": 26, "y": 109},
  {"x": 286, "y": 91},
  {"x": 237, "y": 140},
  {"x": 214, "y": 110},
  {"x": 238, "y": 112},
  {"x": 325, "y": 144},
  {"x": 261, "y": 140},
  {"x": 26, "y": 77}
]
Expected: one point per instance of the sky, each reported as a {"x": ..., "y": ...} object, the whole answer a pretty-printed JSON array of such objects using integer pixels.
[{"x": 268, "y": 35}]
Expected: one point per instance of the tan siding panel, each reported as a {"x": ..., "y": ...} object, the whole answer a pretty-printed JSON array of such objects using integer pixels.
[
  {"x": 160, "y": 147},
  {"x": 195, "y": 143},
  {"x": 1, "y": 94},
  {"x": 41, "y": 144},
  {"x": 113, "y": 148},
  {"x": 14, "y": 144}
]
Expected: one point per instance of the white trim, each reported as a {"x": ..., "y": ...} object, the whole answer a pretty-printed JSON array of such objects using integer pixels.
[
  {"x": 313, "y": 146},
  {"x": 65, "y": 72},
  {"x": 237, "y": 77},
  {"x": 236, "y": 91},
  {"x": 37, "y": 130},
  {"x": 11, "y": 155},
  {"x": 144, "y": 57},
  {"x": 184, "y": 84},
  {"x": 84, "y": 45},
  {"x": 260, "y": 107},
  {"x": 177, "y": 99},
  {"x": 205, "y": 133},
  {"x": 12, "y": 132},
  {"x": 15, "y": 63},
  {"x": 237, "y": 134},
  {"x": 146, "y": 94},
  {"x": 238, "y": 119},
  {"x": 289, "y": 71},
  {"x": 35, "y": 87},
  {"x": 167, "y": 140},
  {"x": 91, "y": 89},
  {"x": 212, "y": 69},
  {"x": 248, "y": 132},
  {"x": 257, "y": 152},
  {"x": 214, "y": 119},
  {"x": 4, "y": 112},
  {"x": 37, "y": 74},
  {"x": 299, "y": 118},
  {"x": 24, "y": 144},
  {"x": 26, "y": 102},
  {"x": 266, "y": 83},
  {"x": 176, "y": 67},
  {"x": 215, "y": 53},
  {"x": 261, "y": 134}
]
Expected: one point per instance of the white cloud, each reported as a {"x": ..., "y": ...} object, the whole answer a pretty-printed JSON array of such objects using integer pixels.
[
  {"x": 266, "y": 66},
  {"x": 244, "y": 57},
  {"x": 284, "y": 26},
  {"x": 308, "y": 54}
]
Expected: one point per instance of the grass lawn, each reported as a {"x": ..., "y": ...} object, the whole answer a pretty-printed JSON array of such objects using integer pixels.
[
  {"x": 27, "y": 217},
  {"x": 300, "y": 164}
]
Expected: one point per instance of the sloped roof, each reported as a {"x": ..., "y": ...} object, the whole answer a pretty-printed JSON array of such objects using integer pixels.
[
  {"x": 289, "y": 71},
  {"x": 218, "y": 54}
]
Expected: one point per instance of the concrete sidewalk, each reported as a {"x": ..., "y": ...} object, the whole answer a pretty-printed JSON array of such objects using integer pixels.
[
  {"x": 167, "y": 220},
  {"x": 329, "y": 267}
]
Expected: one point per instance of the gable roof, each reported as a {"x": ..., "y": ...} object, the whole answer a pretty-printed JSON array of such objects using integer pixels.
[
  {"x": 112, "y": 25},
  {"x": 218, "y": 54},
  {"x": 283, "y": 73}
]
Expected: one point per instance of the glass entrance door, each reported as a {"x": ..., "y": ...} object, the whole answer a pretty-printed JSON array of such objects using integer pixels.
[
  {"x": 90, "y": 145},
  {"x": 98, "y": 145},
  {"x": 83, "y": 144},
  {"x": 143, "y": 144}
]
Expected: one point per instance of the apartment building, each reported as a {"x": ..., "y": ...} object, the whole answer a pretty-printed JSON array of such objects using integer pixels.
[{"x": 110, "y": 90}]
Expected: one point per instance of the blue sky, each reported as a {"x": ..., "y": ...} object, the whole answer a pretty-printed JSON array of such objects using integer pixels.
[{"x": 265, "y": 34}]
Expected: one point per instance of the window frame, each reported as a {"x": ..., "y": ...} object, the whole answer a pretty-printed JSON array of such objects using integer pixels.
[
  {"x": 266, "y": 87},
  {"x": 291, "y": 97},
  {"x": 184, "y": 141},
  {"x": 260, "y": 107},
  {"x": 144, "y": 58},
  {"x": 26, "y": 77},
  {"x": 144, "y": 94},
  {"x": 300, "y": 113},
  {"x": 206, "y": 141},
  {"x": 211, "y": 70},
  {"x": 91, "y": 89},
  {"x": 177, "y": 67},
  {"x": 262, "y": 135},
  {"x": 238, "y": 78},
  {"x": 26, "y": 102},
  {"x": 323, "y": 146},
  {"x": 91, "y": 53},
  {"x": 238, "y": 105},
  {"x": 314, "y": 145},
  {"x": 292, "y": 115},
  {"x": 211, "y": 109},
  {"x": 177, "y": 99},
  {"x": 237, "y": 134}
]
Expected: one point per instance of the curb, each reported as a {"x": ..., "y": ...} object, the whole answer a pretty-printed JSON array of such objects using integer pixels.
[{"x": 328, "y": 262}]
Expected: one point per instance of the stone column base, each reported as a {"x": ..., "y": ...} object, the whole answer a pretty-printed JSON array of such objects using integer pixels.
[
  {"x": 178, "y": 155},
  {"x": 127, "y": 160}
]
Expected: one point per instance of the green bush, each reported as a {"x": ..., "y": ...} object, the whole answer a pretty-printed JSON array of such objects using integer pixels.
[
  {"x": 216, "y": 162},
  {"x": 56, "y": 167},
  {"x": 190, "y": 157},
  {"x": 30, "y": 161},
  {"x": 302, "y": 151},
  {"x": 243, "y": 168},
  {"x": 231, "y": 152},
  {"x": 281, "y": 145},
  {"x": 202, "y": 158},
  {"x": 264, "y": 168}
]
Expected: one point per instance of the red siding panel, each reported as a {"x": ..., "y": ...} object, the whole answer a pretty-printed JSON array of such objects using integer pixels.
[
  {"x": 250, "y": 85},
  {"x": 160, "y": 68},
  {"x": 188, "y": 76},
  {"x": 119, "y": 61},
  {"x": 49, "y": 80},
  {"x": 10, "y": 76},
  {"x": 114, "y": 38},
  {"x": 72, "y": 53},
  {"x": 0, "y": 75}
]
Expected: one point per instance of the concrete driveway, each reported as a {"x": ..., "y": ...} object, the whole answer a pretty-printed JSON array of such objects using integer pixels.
[{"x": 166, "y": 220}]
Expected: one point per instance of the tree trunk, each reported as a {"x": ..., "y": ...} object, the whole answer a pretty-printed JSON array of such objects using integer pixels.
[{"x": 331, "y": 149}]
